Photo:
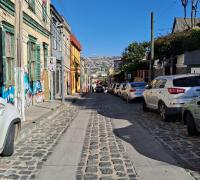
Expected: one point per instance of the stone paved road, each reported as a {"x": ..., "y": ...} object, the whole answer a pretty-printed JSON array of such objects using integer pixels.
[
  {"x": 172, "y": 135},
  {"x": 103, "y": 155},
  {"x": 32, "y": 152}
]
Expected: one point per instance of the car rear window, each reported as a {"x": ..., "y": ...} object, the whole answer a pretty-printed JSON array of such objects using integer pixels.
[
  {"x": 138, "y": 85},
  {"x": 187, "y": 81}
]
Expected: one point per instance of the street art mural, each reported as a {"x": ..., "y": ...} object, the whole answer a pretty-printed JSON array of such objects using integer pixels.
[
  {"x": 28, "y": 91},
  {"x": 33, "y": 91},
  {"x": 8, "y": 93},
  {"x": 37, "y": 92}
]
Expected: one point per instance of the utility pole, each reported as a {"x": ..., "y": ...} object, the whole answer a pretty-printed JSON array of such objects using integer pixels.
[
  {"x": 152, "y": 48},
  {"x": 19, "y": 86}
]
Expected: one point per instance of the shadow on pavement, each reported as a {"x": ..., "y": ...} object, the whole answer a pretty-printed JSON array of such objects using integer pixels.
[{"x": 134, "y": 133}]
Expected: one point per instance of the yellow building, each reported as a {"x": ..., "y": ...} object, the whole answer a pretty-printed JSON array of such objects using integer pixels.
[{"x": 75, "y": 54}]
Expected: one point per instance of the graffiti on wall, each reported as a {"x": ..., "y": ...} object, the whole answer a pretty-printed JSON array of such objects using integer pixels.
[
  {"x": 28, "y": 91},
  {"x": 33, "y": 91},
  {"x": 8, "y": 93},
  {"x": 37, "y": 92}
]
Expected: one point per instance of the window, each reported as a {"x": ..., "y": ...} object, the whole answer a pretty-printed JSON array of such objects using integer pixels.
[
  {"x": 33, "y": 59},
  {"x": 31, "y": 5},
  {"x": 54, "y": 41},
  {"x": 45, "y": 52},
  {"x": 161, "y": 83},
  {"x": 9, "y": 52},
  {"x": 138, "y": 85},
  {"x": 153, "y": 83},
  {"x": 44, "y": 12},
  {"x": 187, "y": 81}
]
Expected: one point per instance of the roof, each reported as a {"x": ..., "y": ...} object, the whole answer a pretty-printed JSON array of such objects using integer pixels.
[
  {"x": 181, "y": 24},
  {"x": 138, "y": 83},
  {"x": 177, "y": 76},
  {"x": 56, "y": 13},
  {"x": 75, "y": 42}
]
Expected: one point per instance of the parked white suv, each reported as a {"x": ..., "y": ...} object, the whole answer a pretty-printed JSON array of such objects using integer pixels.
[
  {"x": 168, "y": 94},
  {"x": 10, "y": 123}
]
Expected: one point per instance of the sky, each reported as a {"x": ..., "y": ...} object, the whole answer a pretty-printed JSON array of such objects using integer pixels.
[{"x": 107, "y": 27}]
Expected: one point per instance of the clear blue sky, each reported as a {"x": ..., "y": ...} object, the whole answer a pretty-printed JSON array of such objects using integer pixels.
[{"x": 106, "y": 27}]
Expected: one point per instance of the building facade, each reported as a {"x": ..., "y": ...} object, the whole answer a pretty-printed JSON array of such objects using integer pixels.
[
  {"x": 85, "y": 76},
  {"x": 56, "y": 50},
  {"x": 75, "y": 53},
  {"x": 66, "y": 55},
  {"x": 34, "y": 49},
  {"x": 7, "y": 49}
]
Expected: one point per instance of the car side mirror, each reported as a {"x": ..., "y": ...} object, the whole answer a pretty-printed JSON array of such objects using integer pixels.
[
  {"x": 148, "y": 86},
  {"x": 198, "y": 103}
]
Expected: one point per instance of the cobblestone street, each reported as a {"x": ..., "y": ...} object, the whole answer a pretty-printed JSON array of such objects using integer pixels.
[
  {"x": 34, "y": 150},
  {"x": 103, "y": 155},
  {"x": 171, "y": 135},
  {"x": 116, "y": 131}
]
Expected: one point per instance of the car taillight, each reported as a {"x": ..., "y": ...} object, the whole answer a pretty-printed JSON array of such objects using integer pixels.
[
  {"x": 132, "y": 90},
  {"x": 176, "y": 90}
]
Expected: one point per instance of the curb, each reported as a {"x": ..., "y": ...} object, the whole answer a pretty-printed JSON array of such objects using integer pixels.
[
  {"x": 29, "y": 127},
  {"x": 26, "y": 129}
]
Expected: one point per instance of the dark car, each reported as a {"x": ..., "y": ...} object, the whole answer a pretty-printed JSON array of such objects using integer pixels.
[{"x": 99, "y": 89}]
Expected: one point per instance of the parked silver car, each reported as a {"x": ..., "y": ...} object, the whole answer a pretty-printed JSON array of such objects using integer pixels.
[
  {"x": 133, "y": 90},
  {"x": 168, "y": 94},
  {"x": 10, "y": 124},
  {"x": 116, "y": 89},
  {"x": 122, "y": 88},
  {"x": 191, "y": 116}
]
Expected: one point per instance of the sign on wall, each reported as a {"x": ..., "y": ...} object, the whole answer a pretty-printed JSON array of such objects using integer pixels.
[{"x": 52, "y": 64}]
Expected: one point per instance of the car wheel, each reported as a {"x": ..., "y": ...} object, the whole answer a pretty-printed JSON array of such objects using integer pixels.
[
  {"x": 144, "y": 106},
  {"x": 9, "y": 142},
  {"x": 191, "y": 126},
  {"x": 127, "y": 99},
  {"x": 163, "y": 112}
]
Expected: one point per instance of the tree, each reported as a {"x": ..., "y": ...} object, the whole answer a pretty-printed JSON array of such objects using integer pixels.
[
  {"x": 194, "y": 7},
  {"x": 184, "y": 4},
  {"x": 194, "y": 12},
  {"x": 133, "y": 55}
]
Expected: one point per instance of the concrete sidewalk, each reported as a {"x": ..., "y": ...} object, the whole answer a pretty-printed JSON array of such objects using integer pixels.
[{"x": 41, "y": 113}]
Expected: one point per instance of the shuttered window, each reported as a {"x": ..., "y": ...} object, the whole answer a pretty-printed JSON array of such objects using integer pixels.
[
  {"x": 33, "y": 59},
  {"x": 37, "y": 64},
  {"x": 8, "y": 51},
  {"x": 44, "y": 12}
]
